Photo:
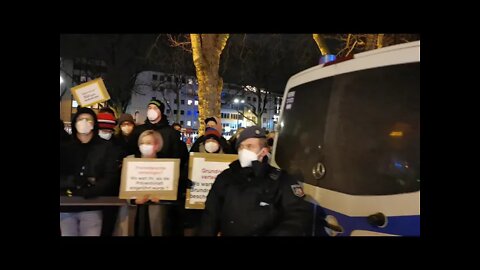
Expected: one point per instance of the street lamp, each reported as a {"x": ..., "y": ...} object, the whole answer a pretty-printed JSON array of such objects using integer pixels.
[{"x": 236, "y": 102}]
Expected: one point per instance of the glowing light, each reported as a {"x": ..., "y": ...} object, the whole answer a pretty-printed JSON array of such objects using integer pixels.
[{"x": 396, "y": 134}]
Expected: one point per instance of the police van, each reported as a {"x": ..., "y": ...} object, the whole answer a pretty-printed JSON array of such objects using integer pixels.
[{"x": 350, "y": 131}]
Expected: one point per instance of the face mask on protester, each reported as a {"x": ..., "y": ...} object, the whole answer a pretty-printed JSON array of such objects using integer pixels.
[
  {"x": 84, "y": 126},
  {"x": 246, "y": 157},
  {"x": 126, "y": 130},
  {"x": 105, "y": 135},
  {"x": 152, "y": 114},
  {"x": 211, "y": 147},
  {"x": 146, "y": 149}
]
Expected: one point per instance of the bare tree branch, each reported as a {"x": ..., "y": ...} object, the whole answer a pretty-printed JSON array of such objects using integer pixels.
[
  {"x": 249, "y": 119},
  {"x": 351, "y": 49},
  {"x": 182, "y": 41}
]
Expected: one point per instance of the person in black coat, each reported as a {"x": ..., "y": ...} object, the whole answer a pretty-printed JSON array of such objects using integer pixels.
[
  {"x": 87, "y": 169},
  {"x": 252, "y": 198},
  {"x": 125, "y": 134},
  {"x": 157, "y": 120}
]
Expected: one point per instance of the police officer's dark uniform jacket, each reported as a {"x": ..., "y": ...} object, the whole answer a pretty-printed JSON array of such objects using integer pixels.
[{"x": 255, "y": 201}]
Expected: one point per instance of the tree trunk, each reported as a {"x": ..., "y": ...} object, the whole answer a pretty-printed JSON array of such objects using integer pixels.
[
  {"x": 207, "y": 49},
  {"x": 380, "y": 41},
  {"x": 321, "y": 44},
  {"x": 371, "y": 42}
]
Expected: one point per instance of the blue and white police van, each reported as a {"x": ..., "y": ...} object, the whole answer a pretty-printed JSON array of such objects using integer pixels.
[{"x": 350, "y": 132}]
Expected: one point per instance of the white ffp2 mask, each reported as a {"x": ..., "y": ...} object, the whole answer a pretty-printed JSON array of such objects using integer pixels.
[
  {"x": 246, "y": 157},
  {"x": 83, "y": 126},
  {"x": 105, "y": 135},
  {"x": 146, "y": 149},
  {"x": 211, "y": 147},
  {"x": 152, "y": 114}
]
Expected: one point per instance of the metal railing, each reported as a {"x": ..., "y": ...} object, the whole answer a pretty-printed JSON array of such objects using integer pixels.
[{"x": 109, "y": 201}]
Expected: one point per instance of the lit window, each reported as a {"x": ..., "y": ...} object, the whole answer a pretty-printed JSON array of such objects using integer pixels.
[
  {"x": 189, "y": 123},
  {"x": 74, "y": 104},
  {"x": 196, "y": 102},
  {"x": 189, "y": 102}
]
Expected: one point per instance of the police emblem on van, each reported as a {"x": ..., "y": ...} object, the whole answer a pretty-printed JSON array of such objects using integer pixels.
[{"x": 297, "y": 190}]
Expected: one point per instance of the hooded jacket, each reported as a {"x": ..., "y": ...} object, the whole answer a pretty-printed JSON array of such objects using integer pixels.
[{"x": 87, "y": 169}]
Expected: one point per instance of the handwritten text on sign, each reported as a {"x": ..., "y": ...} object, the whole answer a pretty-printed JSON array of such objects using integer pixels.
[
  {"x": 91, "y": 92},
  {"x": 203, "y": 176},
  {"x": 145, "y": 176}
]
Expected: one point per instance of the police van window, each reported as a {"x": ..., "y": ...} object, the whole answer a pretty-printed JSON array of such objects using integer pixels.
[
  {"x": 368, "y": 131},
  {"x": 302, "y": 127}
]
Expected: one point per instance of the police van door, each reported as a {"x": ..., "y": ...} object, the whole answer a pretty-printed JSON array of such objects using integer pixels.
[{"x": 351, "y": 132}]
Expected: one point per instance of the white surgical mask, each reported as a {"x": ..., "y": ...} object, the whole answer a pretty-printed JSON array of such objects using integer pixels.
[
  {"x": 83, "y": 126},
  {"x": 146, "y": 149},
  {"x": 105, "y": 135},
  {"x": 152, "y": 114},
  {"x": 211, "y": 147},
  {"x": 126, "y": 129},
  {"x": 246, "y": 157}
]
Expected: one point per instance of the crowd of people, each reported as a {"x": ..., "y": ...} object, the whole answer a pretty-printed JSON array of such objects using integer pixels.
[{"x": 249, "y": 198}]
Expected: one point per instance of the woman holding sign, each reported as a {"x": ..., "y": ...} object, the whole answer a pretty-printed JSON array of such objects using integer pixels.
[{"x": 149, "y": 218}]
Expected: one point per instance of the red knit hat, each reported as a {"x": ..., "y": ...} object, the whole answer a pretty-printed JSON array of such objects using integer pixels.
[
  {"x": 106, "y": 121},
  {"x": 211, "y": 132}
]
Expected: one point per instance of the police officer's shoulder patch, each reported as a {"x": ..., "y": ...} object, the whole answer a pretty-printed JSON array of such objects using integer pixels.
[
  {"x": 275, "y": 173},
  {"x": 297, "y": 190}
]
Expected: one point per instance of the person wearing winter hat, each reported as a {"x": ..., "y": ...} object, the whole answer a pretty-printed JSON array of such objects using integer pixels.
[
  {"x": 280, "y": 208},
  {"x": 156, "y": 109},
  {"x": 125, "y": 134},
  {"x": 212, "y": 122},
  {"x": 157, "y": 120},
  {"x": 126, "y": 117},
  {"x": 87, "y": 169},
  {"x": 106, "y": 124},
  {"x": 212, "y": 142}
]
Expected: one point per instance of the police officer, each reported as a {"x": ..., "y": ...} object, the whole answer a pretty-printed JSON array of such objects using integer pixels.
[{"x": 252, "y": 198}]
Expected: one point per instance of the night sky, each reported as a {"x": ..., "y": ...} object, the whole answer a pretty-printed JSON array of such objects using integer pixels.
[{"x": 263, "y": 60}]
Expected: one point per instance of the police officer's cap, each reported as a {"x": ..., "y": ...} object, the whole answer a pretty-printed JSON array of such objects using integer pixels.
[{"x": 250, "y": 132}]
